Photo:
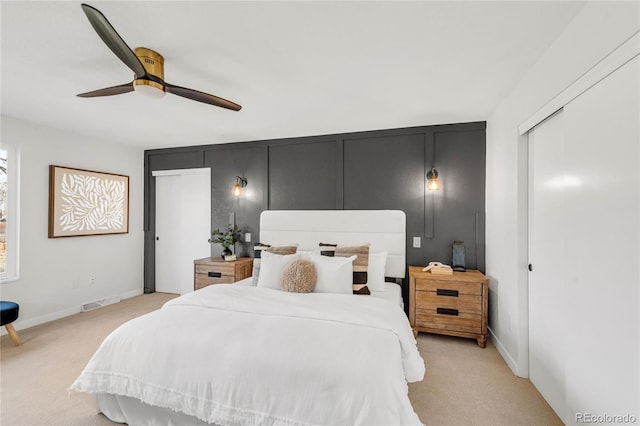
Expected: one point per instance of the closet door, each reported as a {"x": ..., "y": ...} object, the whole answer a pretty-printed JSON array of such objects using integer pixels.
[
  {"x": 584, "y": 326},
  {"x": 602, "y": 208},
  {"x": 547, "y": 282}
]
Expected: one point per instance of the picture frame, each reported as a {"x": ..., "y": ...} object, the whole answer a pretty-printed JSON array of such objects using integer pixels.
[{"x": 86, "y": 202}]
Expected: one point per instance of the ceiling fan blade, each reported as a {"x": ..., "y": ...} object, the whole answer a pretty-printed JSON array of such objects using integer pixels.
[
  {"x": 113, "y": 40},
  {"x": 109, "y": 91},
  {"x": 201, "y": 97}
]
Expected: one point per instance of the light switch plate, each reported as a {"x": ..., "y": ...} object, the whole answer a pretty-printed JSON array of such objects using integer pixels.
[
  {"x": 416, "y": 242},
  {"x": 247, "y": 237}
]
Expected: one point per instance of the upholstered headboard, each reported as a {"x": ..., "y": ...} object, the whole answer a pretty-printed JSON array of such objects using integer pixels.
[{"x": 384, "y": 229}]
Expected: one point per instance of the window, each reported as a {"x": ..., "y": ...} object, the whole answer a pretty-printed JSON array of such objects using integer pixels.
[{"x": 9, "y": 216}]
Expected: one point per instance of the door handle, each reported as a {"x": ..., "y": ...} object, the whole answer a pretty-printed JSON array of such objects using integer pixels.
[
  {"x": 157, "y": 238},
  {"x": 530, "y": 267}
]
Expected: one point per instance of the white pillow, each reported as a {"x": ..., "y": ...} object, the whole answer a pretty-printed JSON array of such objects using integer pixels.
[
  {"x": 335, "y": 274},
  {"x": 306, "y": 254},
  {"x": 271, "y": 269},
  {"x": 376, "y": 269}
]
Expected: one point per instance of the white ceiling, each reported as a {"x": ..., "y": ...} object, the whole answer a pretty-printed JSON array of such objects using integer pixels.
[{"x": 297, "y": 68}]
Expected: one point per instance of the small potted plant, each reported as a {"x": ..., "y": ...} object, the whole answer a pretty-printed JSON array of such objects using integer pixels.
[{"x": 226, "y": 237}]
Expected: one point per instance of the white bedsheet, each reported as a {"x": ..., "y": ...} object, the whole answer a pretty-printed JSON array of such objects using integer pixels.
[
  {"x": 230, "y": 354},
  {"x": 392, "y": 292}
]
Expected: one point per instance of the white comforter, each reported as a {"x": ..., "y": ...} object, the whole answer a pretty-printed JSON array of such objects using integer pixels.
[{"x": 229, "y": 354}]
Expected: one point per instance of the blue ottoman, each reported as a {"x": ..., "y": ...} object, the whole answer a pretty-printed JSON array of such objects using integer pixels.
[{"x": 8, "y": 314}]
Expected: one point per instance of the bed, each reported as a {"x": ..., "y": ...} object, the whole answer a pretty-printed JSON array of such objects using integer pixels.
[{"x": 239, "y": 354}]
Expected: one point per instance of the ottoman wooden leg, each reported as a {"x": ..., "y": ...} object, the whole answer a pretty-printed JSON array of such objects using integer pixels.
[{"x": 13, "y": 334}]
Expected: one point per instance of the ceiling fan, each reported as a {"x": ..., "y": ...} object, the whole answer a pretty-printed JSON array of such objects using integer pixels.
[{"x": 147, "y": 66}]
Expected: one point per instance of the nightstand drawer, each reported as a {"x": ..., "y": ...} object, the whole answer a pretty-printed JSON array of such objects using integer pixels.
[
  {"x": 216, "y": 270},
  {"x": 203, "y": 280},
  {"x": 467, "y": 303},
  {"x": 446, "y": 319},
  {"x": 461, "y": 287}
]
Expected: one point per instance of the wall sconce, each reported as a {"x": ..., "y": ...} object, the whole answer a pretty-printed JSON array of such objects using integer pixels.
[
  {"x": 434, "y": 183},
  {"x": 239, "y": 186}
]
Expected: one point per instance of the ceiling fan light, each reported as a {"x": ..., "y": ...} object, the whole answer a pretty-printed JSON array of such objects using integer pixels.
[{"x": 148, "y": 88}]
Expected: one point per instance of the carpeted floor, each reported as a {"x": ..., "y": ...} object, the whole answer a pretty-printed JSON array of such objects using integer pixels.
[
  {"x": 464, "y": 384},
  {"x": 468, "y": 385}
]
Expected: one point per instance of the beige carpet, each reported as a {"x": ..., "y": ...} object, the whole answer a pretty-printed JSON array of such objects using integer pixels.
[{"x": 464, "y": 385}]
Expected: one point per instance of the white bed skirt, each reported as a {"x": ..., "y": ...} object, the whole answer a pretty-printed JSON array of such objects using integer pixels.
[{"x": 123, "y": 409}]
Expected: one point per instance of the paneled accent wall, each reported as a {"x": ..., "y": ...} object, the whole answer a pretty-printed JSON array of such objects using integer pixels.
[
  {"x": 303, "y": 175},
  {"x": 228, "y": 161},
  {"x": 383, "y": 169}
]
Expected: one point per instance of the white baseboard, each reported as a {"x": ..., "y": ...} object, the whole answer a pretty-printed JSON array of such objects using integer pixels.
[
  {"x": 513, "y": 365},
  {"x": 132, "y": 293},
  {"x": 21, "y": 325}
]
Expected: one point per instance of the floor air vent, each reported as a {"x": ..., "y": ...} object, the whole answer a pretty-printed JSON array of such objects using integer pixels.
[{"x": 99, "y": 303}]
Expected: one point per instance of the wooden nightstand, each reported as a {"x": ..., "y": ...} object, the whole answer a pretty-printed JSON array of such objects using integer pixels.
[
  {"x": 215, "y": 270},
  {"x": 455, "y": 305}
]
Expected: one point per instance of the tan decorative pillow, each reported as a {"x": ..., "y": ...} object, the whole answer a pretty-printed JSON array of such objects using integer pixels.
[
  {"x": 299, "y": 276},
  {"x": 257, "y": 254}
]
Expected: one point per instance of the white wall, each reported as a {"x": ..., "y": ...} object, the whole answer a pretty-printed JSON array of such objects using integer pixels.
[
  {"x": 597, "y": 30},
  {"x": 48, "y": 267}
]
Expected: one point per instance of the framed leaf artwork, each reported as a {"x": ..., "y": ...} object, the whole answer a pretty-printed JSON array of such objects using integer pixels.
[{"x": 85, "y": 202}]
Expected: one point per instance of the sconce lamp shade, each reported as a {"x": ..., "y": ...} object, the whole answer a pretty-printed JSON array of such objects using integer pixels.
[
  {"x": 434, "y": 183},
  {"x": 239, "y": 186}
]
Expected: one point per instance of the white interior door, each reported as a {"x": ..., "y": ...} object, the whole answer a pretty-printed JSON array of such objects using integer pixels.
[
  {"x": 183, "y": 225},
  {"x": 168, "y": 226},
  {"x": 584, "y": 234},
  {"x": 603, "y": 258},
  {"x": 547, "y": 285}
]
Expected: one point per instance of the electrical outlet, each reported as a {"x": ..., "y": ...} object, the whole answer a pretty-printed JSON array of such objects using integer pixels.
[
  {"x": 92, "y": 279},
  {"x": 247, "y": 237},
  {"x": 416, "y": 242},
  {"x": 75, "y": 284}
]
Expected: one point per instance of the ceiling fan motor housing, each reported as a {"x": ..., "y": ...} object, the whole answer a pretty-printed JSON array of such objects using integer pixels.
[{"x": 153, "y": 63}]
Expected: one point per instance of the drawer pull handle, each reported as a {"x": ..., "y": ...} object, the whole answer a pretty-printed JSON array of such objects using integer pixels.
[
  {"x": 215, "y": 274},
  {"x": 444, "y": 292},
  {"x": 447, "y": 311}
]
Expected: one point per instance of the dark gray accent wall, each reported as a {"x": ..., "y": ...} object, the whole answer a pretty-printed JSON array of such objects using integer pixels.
[
  {"x": 383, "y": 169},
  {"x": 302, "y": 176},
  {"x": 387, "y": 172},
  {"x": 458, "y": 209},
  {"x": 227, "y": 162}
]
